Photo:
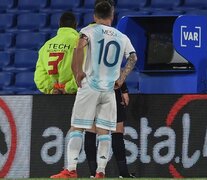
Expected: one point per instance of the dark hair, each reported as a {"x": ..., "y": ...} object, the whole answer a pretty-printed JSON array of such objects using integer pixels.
[
  {"x": 103, "y": 10},
  {"x": 111, "y": 2},
  {"x": 68, "y": 19}
]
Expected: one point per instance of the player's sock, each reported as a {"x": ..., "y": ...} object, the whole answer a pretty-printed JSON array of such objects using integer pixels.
[
  {"x": 74, "y": 147},
  {"x": 90, "y": 150},
  {"x": 104, "y": 145},
  {"x": 118, "y": 148}
]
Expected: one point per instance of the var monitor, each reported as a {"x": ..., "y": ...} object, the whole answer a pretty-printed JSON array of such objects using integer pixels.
[{"x": 161, "y": 55}]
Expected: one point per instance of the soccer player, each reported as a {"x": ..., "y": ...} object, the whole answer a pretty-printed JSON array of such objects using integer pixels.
[
  {"x": 53, "y": 74},
  {"x": 118, "y": 146},
  {"x": 95, "y": 98}
]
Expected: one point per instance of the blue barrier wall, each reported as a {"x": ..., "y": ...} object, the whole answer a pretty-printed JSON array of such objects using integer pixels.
[{"x": 165, "y": 64}]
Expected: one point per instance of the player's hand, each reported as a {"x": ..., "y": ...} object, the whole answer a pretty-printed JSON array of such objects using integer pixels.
[
  {"x": 125, "y": 99},
  {"x": 58, "y": 91},
  {"x": 79, "y": 77},
  {"x": 62, "y": 90}
]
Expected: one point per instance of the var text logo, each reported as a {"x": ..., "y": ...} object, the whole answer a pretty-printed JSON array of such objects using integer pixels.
[{"x": 190, "y": 36}]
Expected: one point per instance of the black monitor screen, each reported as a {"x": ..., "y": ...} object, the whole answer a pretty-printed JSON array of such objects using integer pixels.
[{"x": 161, "y": 54}]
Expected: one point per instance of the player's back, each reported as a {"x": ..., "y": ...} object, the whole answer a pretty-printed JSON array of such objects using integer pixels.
[
  {"x": 58, "y": 53},
  {"x": 104, "y": 55}
]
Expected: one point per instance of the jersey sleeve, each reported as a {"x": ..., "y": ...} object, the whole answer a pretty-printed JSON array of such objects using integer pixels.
[
  {"x": 129, "y": 48},
  {"x": 41, "y": 78},
  {"x": 86, "y": 32}
]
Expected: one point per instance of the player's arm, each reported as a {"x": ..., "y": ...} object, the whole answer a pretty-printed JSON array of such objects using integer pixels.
[
  {"x": 78, "y": 59},
  {"x": 131, "y": 61},
  {"x": 41, "y": 78}
]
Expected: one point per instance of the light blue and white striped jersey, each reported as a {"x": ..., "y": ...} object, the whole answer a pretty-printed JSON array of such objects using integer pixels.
[{"x": 106, "y": 48}]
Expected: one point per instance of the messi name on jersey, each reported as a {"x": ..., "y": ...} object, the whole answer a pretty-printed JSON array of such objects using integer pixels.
[{"x": 109, "y": 32}]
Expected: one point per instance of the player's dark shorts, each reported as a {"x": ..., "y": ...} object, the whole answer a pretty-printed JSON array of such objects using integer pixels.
[{"x": 121, "y": 109}]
